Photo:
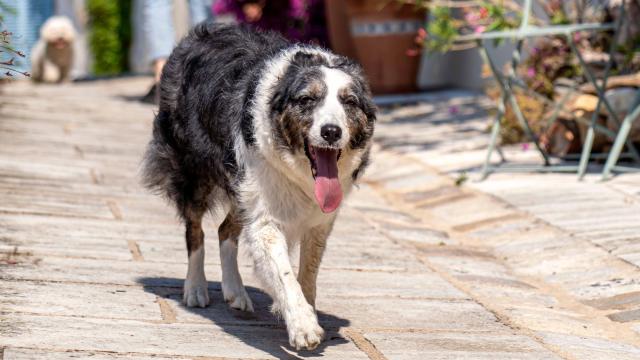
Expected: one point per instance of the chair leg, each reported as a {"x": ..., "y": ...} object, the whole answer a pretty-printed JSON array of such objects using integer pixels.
[
  {"x": 586, "y": 150},
  {"x": 527, "y": 128},
  {"x": 623, "y": 134},
  {"x": 507, "y": 93},
  {"x": 495, "y": 130}
]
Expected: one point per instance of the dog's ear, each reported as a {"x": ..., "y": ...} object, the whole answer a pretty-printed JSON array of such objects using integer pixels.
[{"x": 305, "y": 59}]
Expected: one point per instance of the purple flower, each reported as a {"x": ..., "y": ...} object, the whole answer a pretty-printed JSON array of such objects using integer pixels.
[
  {"x": 576, "y": 37},
  {"x": 453, "y": 110},
  {"x": 531, "y": 72},
  {"x": 525, "y": 146}
]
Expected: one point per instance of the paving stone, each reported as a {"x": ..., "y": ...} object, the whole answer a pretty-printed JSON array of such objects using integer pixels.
[
  {"x": 56, "y": 354},
  {"x": 470, "y": 210},
  {"x": 619, "y": 302},
  {"x": 82, "y": 300},
  {"x": 380, "y": 171},
  {"x": 422, "y": 196},
  {"x": 410, "y": 181},
  {"x": 419, "y": 235},
  {"x": 625, "y": 316},
  {"x": 425, "y": 284},
  {"x": 386, "y": 214},
  {"x": 591, "y": 348},
  {"x": 451, "y": 345},
  {"x": 420, "y": 314},
  {"x": 371, "y": 251}
]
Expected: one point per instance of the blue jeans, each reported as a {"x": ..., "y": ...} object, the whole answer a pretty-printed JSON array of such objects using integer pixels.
[{"x": 158, "y": 24}]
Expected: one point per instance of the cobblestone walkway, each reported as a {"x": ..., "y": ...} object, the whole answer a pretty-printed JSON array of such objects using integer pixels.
[{"x": 417, "y": 267}]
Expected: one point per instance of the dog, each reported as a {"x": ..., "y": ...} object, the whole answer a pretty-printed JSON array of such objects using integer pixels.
[
  {"x": 272, "y": 133},
  {"x": 52, "y": 56}
]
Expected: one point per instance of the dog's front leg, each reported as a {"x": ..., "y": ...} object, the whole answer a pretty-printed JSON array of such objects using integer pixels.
[
  {"x": 268, "y": 248},
  {"x": 311, "y": 250}
]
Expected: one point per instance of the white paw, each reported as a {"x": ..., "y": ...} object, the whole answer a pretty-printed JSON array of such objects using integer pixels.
[
  {"x": 196, "y": 294},
  {"x": 237, "y": 298},
  {"x": 304, "y": 331}
]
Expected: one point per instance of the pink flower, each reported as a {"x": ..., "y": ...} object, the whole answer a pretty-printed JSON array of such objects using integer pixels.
[
  {"x": 453, "y": 110},
  {"x": 422, "y": 33},
  {"x": 525, "y": 146},
  {"x": 531, "y": 72},
  {"x": 472, "y": 18},
  {"x": 480, "y": 29},
  {"x": 577, "y": 37}
]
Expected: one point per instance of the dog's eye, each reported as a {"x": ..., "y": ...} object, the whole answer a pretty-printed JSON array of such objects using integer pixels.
[
  {"x": 305, "y": 100},
  {"x": 351, "y": 101}
]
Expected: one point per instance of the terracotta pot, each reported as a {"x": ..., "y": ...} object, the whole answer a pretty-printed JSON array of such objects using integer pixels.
[
  {"x": 338, "y": 26},
  {"x": 382, "y": 31}
]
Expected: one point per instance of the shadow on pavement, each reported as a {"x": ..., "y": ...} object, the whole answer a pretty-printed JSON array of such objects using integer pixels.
[{"x": 261, "y": 329}]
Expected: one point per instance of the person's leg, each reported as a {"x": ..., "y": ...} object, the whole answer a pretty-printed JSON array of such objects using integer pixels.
[{"x": 158, "y": 32}]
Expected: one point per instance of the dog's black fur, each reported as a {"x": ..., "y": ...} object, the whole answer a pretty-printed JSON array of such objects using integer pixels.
[{"x": 192, "y": 151}]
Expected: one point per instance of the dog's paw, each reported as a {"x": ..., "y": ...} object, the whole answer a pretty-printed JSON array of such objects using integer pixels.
[
  {"x": 237, "y": 298},
  {"x": 305, "y": 332},
  {"x": 196, "y": 294}
]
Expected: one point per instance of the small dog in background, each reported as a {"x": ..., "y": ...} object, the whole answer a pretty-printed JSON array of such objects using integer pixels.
[{"x": 52, "y": 56}]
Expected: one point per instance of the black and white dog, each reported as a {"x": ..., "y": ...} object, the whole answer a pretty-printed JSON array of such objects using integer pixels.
[{"x": 274, "y": 134}]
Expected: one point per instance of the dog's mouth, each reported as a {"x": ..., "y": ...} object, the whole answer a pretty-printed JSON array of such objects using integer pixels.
[
  {"x": 324, "y": 169},
  {"x": 59, "y": 43}
]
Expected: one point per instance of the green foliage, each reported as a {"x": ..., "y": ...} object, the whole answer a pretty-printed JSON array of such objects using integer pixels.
[
  {"x": 441, "y": 30},
  {"x": 445, "y": 24},
  {"x": 110, "y": 35},
  {"x": 500, "y": 19}
]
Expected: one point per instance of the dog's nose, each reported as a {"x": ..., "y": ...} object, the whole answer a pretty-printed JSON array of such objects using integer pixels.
[{"x": 331, "y": 133}]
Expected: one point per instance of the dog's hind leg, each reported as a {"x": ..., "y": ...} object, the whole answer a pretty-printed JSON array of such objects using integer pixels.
[
  {"x": 311, "y": 250},
  {"x": 268, "y": 247},
  {"x": 195, "y": 286},
  {"x": 233, "y": 290}
]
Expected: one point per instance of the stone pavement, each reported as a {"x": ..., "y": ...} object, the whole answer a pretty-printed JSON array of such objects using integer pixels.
[{"x": 517, "y": 267}]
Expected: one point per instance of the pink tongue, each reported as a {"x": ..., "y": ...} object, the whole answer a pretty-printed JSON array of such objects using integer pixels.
[{"x": 328, "y": 190}]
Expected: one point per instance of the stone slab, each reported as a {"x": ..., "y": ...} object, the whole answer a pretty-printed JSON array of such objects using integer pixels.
[{"x": 453, "y": 346}]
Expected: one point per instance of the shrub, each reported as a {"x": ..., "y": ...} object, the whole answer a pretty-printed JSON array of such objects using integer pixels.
[{"x": 110, "y": 35}]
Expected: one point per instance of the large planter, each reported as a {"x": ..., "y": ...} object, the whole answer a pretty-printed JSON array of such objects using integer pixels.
[{"x": 378, "y": 34}]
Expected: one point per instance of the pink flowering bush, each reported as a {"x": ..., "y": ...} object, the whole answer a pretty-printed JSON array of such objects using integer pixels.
[{"x": 447, "y": 23}]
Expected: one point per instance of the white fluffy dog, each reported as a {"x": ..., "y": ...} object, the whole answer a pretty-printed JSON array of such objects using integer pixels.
[{"x": 52, "y": 56}]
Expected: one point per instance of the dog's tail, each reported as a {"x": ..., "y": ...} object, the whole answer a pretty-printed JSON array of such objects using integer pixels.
[{"x": 159, "y": 165}]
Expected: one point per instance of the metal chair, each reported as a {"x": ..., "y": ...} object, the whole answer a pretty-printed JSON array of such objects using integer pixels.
[{"x": 507, "y": 83}]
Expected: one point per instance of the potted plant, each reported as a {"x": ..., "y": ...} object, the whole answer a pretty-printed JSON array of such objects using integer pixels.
[{"x": 378, "y": 33}]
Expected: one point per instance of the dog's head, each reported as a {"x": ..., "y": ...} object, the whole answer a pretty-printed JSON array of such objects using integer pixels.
[
  {"x": 58, "y": 32},
  {"x": 322, "y": 119}
]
